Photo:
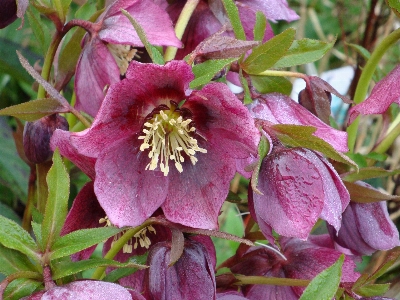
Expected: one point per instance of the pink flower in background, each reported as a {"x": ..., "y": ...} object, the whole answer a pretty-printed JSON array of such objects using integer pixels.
[
  {"x": 153, "y": 150},
  {"x": 109, "y": 48}
]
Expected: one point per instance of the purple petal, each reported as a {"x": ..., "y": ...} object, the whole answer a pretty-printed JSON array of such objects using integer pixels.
[
  {"x": 95, "y": 71},
  {"x": 336, "y": 195},
  {"x": 223, "y": 120},
  {"x": 61, "y": 139},
  {"x": 384, "y": 93},
  {"x": 128, "y": 193},
  {"x": 293, "y": 198},
  {"x": 117, "y": 29},
  {"x": 196, "y": 195},
  {"x": 280, "y": 109},
  {"x": 86, "y": 290},
  {"x": 274, "y": 10},
  {"x": 375, "y": 225}
]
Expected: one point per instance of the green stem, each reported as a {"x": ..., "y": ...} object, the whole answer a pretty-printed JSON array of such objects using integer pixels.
[
  {"x": 118, "y": 245},
  {"x": 26, "y": 220},
  {"x": 283, "y": 74},
  {"x": 388, "y": 140},
  {"x": 270, "y": 281},
  {"x": 180, "y": 26},
  {"x": 48, "y": 62},
  {"x": 365, "y": 79}
]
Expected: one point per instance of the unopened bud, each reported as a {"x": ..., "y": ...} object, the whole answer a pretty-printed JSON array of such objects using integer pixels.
[
  {"x": 8, "y": 12},
  {"x": 37, "y": 136}
]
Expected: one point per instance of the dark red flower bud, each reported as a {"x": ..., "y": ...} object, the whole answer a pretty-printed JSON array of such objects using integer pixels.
[
  {"x": 37, "y": 136},
  {"x": 8, "y": 12}
]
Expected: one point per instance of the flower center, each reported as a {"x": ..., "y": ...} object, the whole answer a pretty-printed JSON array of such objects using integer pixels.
[
  {"x": 123, "y": 55},
  {"x": 169, "y": 137}
]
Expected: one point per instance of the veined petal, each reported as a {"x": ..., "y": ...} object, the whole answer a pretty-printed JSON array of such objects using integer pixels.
[{"x": 127, "y": 192}]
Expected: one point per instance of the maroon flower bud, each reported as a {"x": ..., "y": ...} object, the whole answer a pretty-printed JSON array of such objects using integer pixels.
[
  {"x": 8, "y": 12},
  {"x": 192, "y": 276},
  {"x": 37, "y": 136}
]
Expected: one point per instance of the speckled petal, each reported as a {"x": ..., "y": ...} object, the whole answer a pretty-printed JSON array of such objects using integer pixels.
[
  {"x": 293, "y": 193},
  {"x": 117, "y": 29},
  {"x": 196, "y": 195},
  {"x": 88, "y": 290},
  {"x": 384, "y": 93},
  {"x": 127, "y": 192},
  {"x": 96, "y": 70}
]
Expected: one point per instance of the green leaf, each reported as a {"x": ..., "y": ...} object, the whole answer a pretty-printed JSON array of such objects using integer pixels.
[
  {"x": 39, "y": 29},
  {"x": 66, "y": 268},
  {"x": 368, "y": 173},
  {"x": 361, "y": 50},
  {"x": 9, "y": 213},
  {"x": 206, "y": 71},
  {"x": 395, "y": 6},
  {"x": 20, "y": 288},
  {"x": 37, "y": 230},
  {"x": 266, "y": 55},
  {"x": 116, "y": 274},
  {"x": 155, "y": 55},
  {"x": 302, "y": 52},
  {"x": 325, "y": 284},
  {"x": 14, "y": 237},
  {"x": 302, "y": 136},
  {"x": 57, "y": 202},
  {"x": 80, "y": 240},
  {"x": 13, "y": 171},
  {"x": 362, "y": 194},
  {"x": 271, "y": 84},
  {"x": 259, "y": 28},
  {"x": 246, "y": 90},
  {"x": 34, "y": 109},
  {"x": 233, "y": 15},
  {"x": 263, "y": 150},
  {"x": 372, "y": 290},
  {"x": 12, "y": 261}
]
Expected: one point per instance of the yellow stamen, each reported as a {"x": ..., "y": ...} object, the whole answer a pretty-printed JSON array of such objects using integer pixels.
[
  {"x": 168, "y": 136},
  {"x": 123, "y": 55}
]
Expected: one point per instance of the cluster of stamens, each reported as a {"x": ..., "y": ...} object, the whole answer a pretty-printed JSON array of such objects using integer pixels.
[
  {"x": 168, "y": 136},
  {"x": 140, "y": 237},
  {"x": 123, "y": 55}
]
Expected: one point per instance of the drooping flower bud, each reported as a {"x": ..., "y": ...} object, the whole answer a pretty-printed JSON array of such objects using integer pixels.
[
  {"x": 37, "y": 136},
  {"x": 8, "y": 12}
]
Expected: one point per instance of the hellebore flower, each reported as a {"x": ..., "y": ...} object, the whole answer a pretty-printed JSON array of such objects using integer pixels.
[
  {"x": 154, "y": 151},
  {"x": 298, "y": 260},
  {"x": 87, "y": 289},
  {"x": 11, "y": 10},
  {"x": 384, "y": 93},
  {"x": 366, "y": 227},
  {"x": 209, "y": 16},
  {"x": 192, "y": 276},
  {"x": 299, "y": 186},
  {"x": 109, "y": 48}
]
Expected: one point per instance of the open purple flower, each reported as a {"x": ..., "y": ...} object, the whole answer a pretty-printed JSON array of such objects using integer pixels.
[
  {"x": 109, "y": 48},
  {"x": 159, "y": 144},
  {"x": 298, "y": 260},
  {"x": 209, "y": 16},
  {"x": 366, "y": 228},
  {"x": 192, "y": 276},
  {"x": 299, "y": 186}
]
